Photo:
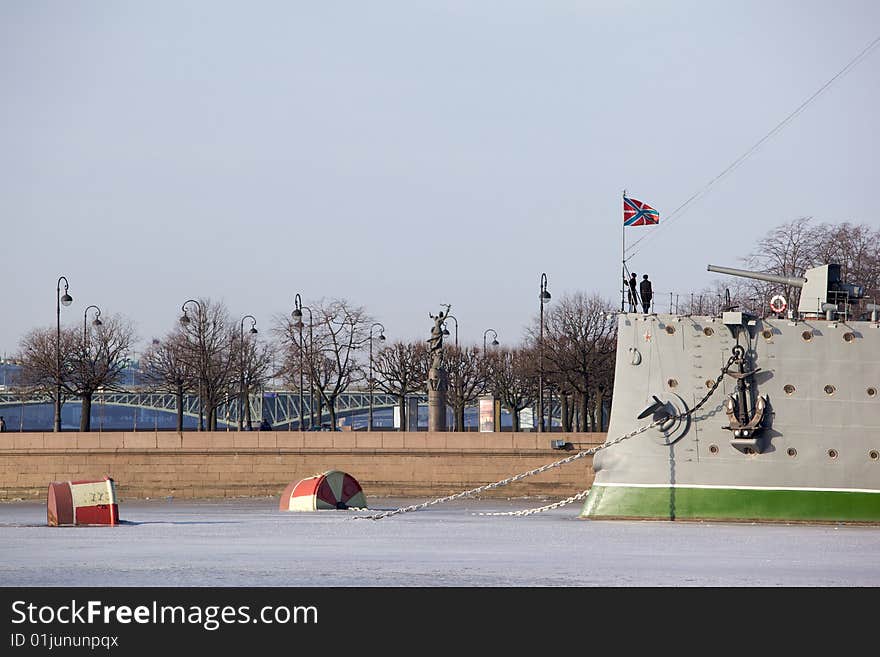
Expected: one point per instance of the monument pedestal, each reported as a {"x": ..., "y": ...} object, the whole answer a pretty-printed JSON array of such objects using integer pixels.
[{"x": 437, "y": 385}]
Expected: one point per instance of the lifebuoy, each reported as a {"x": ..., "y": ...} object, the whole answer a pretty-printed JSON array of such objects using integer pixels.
[{"x": 778, "y": 304}]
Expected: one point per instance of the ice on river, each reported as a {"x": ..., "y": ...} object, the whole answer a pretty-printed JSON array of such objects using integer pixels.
[{"x": 249, "y": 542}]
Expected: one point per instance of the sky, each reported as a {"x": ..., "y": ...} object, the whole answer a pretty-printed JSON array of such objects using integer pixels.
[{"x": 404, "y": 155}]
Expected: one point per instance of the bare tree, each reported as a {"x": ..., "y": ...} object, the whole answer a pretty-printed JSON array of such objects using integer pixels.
[
  {"x": 786, "y": 250},
  {"x": 167, "y": 369},
  {"x": 856, "y": 248},
  {"x": 209, "y": 349},
  {"x": 402, "y": 369},
  {"x": 339, "y": 332},
  {"x": 101, "y": 357},
  {"x": 790, "y": 249},
  {"x": 255, "y": 363},
  {"x": 514, "y": 376},
  {"x": 468, "y": 379},
  {"x": 294, "y": 356},
  {"x": 579, "y": 347},
  {"x": 90, "y": 361},
  {"x": 39, "y": 367}
]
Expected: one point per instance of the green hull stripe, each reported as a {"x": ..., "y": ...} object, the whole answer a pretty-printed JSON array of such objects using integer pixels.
[{"x": 731, "y": 504}]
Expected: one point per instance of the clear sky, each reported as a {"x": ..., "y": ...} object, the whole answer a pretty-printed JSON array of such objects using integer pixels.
[{"x": 408, "y": 154}]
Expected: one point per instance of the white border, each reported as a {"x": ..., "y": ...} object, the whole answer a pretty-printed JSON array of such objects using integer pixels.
[{"x": 715, "y": 487}]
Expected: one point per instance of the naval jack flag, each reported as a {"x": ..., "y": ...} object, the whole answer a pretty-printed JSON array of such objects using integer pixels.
[{"x": 635, "y": 213}]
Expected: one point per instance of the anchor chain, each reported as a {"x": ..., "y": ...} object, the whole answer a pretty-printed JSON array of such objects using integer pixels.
[
  {"x": 540, "y": 509},
  {"x": 588, "y": 452}
]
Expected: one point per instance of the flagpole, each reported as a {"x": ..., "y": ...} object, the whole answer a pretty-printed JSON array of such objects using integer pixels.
[{"x": 623, "y": 261}]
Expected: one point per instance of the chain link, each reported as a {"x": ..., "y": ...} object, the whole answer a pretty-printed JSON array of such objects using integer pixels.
[
  {"x": 555, "y": 464},
  {"x": 528, "y": 512}
]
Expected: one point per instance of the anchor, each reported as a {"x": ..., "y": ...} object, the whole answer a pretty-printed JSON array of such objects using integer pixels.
[
  {"x": 653, "y": 408},
  {"x": 672, "y": 416},
  {"x": 745, "y": 423}
]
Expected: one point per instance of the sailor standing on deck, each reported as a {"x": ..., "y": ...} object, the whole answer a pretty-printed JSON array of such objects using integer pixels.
[
  {"x": 633, "y": 295},
  {"x": 646, "y": 292}
]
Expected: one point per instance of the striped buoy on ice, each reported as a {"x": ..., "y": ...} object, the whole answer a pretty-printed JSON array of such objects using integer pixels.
[
  {"x": 331, "y": 490},
  {"x": 82, "y": 503}
]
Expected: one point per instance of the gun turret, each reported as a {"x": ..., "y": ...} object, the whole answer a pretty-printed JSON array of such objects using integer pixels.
[{"x": 819, "y": 286}]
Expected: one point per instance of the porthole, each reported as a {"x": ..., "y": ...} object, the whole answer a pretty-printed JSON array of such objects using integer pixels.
[
  {"x": 807, "y": 336},
  {"x": 832, "y": 453},
  {"x": 789, "y": 389},
  {"x": 874, "y": 455},
  {"x": 829, "y": 389},
  {"x": 708, "y": 331},
  {"x": 872, "y": 392},
  {"x": 670, "y": 329},
  {"x": 767, "y": 333},
  {"x": 849, "y": 336},
  {"x": 792, "y": 452},
  {"x": 713, "y": 449},
  {"x": 672, "y": 383},
  {"x": 748, "y": 450}
]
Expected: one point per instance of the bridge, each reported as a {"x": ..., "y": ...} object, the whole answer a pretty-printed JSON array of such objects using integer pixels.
[{"x": 280, "y": 408}]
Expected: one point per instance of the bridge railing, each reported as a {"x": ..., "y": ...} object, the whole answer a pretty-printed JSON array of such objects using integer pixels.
[{"x": 281, "y": 408}]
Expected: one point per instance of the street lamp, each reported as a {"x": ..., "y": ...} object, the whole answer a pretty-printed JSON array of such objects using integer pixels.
[
  {"x": 97, "y": 322},
  {"x": 544, "y": 297},
  {"x": 494, "y": 339},
  {"x": 496, "y": 408},
  {"x": 185, "y": 321},
  {"x": 446, "y": 331},
  {"x": 370, "y": 380},
  {"x": 297, "y": 315},
  {"x": 241, "y": 391},
  {"x": 65, "y": 300}
]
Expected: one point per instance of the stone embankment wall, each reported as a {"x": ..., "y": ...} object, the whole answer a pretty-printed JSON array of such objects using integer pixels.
[{"x": 234, "y": 464}]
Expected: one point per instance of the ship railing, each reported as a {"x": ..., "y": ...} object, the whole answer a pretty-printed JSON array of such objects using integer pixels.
[
  {"x": 714, "y": 304},
  {"x": 704, "y": 304}
]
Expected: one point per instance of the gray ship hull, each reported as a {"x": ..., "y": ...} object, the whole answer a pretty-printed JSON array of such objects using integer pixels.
[{"x": 814, "y": 456}]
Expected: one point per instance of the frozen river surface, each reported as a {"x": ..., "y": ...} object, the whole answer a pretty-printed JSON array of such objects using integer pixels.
[{"x": 248, "y": 542}]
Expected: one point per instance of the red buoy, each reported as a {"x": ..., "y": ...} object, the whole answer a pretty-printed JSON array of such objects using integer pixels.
[
  {"x": 82, "y": 503},
  {"x": 331, "y": 490}
]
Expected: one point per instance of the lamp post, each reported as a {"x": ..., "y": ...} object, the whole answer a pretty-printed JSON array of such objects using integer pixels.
[
  {"x": 496, "y": 403},
  {"x": 297, "y": 315},
  {"x": 370, "y": 380},
  {"x": 494, "y": 339},
  {"x": 65, "y": 300},
  {"x": 97, "y": 322},
  {"x": 185, "y": 320},
  {"x": 544, "y": 297},
  {"x": 241, "y": 390},
  {"x": 446, "y": 332}
]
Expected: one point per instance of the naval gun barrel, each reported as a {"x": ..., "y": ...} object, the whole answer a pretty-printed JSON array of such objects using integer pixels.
[{"x": 794, "y": 281}]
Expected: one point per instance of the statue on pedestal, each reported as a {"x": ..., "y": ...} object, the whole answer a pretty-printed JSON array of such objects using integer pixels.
[
  {"x": 435, "y": 342},
  {"x": 437, "y": 375}
]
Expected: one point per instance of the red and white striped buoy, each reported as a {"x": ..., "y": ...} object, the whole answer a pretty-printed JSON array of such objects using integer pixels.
[
  {"x": 331, "y": 490},
  {"x": 82, "y": 503}
]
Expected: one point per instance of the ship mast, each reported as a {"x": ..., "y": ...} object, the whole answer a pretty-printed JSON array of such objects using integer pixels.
[{"x": 623, "y": 280}]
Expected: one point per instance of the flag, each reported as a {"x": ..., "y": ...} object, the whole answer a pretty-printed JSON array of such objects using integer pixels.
[{"x": 636, "y": 213}]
